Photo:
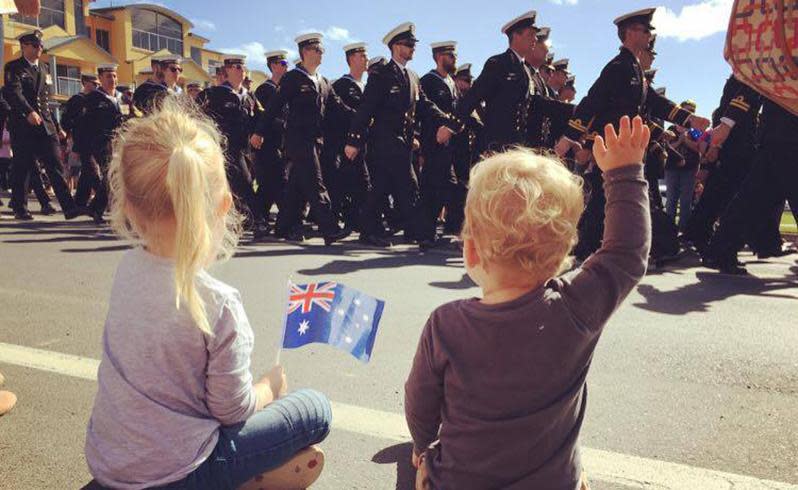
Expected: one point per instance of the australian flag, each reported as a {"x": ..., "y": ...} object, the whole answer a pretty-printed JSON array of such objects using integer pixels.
[{"x": 331, "y": 313}]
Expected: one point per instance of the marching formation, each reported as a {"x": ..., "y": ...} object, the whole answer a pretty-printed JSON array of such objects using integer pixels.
[{"x": 394, "y": 153}]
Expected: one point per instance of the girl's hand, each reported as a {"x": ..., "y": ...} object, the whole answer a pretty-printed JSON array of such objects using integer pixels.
[
  {"x": 277, "y": 381},
  {"x": 623, "y": 149}
]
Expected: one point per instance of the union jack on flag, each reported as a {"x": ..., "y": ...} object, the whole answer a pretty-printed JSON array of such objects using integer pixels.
[{"x": 320, "y": 294}]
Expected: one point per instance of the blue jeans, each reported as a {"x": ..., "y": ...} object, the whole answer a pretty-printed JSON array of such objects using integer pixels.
[
  {"x": 680, "y": 184},
  {"x": 263, "y": 442}
]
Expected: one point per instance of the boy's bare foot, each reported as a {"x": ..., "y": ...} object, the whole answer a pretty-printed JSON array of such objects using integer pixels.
[{"x": 298, "y": 472}]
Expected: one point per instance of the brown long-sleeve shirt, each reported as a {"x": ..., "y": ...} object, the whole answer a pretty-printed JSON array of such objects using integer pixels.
[{"x": 502, "y": 386}]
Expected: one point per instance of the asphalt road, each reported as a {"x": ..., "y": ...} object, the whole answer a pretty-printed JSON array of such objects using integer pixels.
[{"x": 696, "y": 368}]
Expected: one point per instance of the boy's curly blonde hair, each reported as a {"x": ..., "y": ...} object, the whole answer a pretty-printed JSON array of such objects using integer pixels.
[{"x": 522, "y": 210}]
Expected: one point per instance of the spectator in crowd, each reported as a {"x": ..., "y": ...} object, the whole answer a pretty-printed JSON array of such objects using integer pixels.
[
  {"x": 176, "y": 404},
  {"x": 680, "y": 173},
  {"x": 499, "y": 382}
]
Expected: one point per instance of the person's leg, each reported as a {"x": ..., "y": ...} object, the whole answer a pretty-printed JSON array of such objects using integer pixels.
[
  {"x": 759, "y": 194},
  {"x": 307, "y": 175},
  {"x": 370, "y": 222},
  {"x": 47, "y": 151},
  {"x": 273, "y": 435},
  {"x": 671, "y": 192},
  {"x": 591, "y": 224},
  {"x": 21, "y": 166},
  {"x": 686, "y": 193},
  {"x": 36, "y": 184},
  {"x": 89, "y": 179}
]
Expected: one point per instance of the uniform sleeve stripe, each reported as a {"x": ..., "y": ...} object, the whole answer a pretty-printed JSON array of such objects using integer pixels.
[
  {"x": 744, "y": 107},
  {"x": 577, "y": 125},
  {"x": 673, "y": 113}
]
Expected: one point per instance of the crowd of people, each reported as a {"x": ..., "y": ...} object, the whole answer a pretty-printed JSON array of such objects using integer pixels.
[{"x": 394, "y": 153}]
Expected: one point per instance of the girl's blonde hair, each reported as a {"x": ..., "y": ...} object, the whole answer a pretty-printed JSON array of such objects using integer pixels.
[
  {"x": 168, "y": 168},
  {"x": 522, "y": 211}
]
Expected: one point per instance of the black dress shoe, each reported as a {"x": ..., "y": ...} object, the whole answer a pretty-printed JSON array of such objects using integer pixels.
[
  {"x": 23, "y": 215},
  {"x": 729, "y": 266},
  {"x": 291, "y": 236},
  {"x": 48, "y": 210},
  {"x": 374, "y": 241},
  {"x": 261, "y": 231},
  {"x": 776, "y": 252},
  {"x": 338, "y": 235},
  {"x": 76, "y": 211},
  {"x": 97, "y": 216}
]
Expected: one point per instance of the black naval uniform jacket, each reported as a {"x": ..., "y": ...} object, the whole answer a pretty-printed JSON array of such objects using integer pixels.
[
  {"x": 620, "y": 90},
  {"x": 101, "y": 116},
  {"x": 741, "y": 104},
  {"x": 505, "y": 85},
  {"x": 440, "y": 156},
  {"x": 273, "y": 133},
  {"x": 236, "y": 114},
  {"x": 392, "y": 102},
  {"x": 308, "y": 107},
  {"x": 25, "y": 91},
  {"x": 352, "y": 96},
  {"x": 70, "y": 119},
  {"x": 148, "y": 95}
]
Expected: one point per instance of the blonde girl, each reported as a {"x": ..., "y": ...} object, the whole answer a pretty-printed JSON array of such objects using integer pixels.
[{"x": 176, "y": 406}]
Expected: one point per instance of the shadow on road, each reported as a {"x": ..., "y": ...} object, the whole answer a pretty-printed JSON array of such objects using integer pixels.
[
  {"x": 711, "y": 288},
  {"x": 464, "y": 283},
  {"x": 399, "y": 455}
]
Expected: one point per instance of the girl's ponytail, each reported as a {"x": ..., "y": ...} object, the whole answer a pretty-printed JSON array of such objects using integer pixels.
[{"x": 193, "y": 244}]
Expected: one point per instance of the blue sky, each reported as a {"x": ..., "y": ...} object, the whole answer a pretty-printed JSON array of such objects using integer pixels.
[{"x": 690, "y": 42}]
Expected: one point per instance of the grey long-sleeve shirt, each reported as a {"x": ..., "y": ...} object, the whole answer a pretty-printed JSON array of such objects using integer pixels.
[
  {"x": 164, "y": 387},
  {"x": 502, "y": 386}
]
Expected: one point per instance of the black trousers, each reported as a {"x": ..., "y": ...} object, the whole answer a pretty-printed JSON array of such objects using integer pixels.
[
  {"x": 27, "y": 150},
  {"x": 391, "y": 166},
  {"x": 773, "y": 178},
  {"x": 437, "y": 181},
  {"x": 463, "y": 161},
  {"x": 330, "y": 161},
  {"x": 591, "y": 224},
  {"x": 102, "y": 157},
  {"x": 271, "y": 173},
  {"x": 89, "y": 180},
  {"x": 305, "y": 184},
  {"x": 240, "y": 181},
  {"x": 355, "y": 183},
  {"x": 36, "y": 184}
]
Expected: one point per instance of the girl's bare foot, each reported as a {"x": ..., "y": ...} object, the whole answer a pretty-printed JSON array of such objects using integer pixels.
[
  {"x": 298, "y": 472},
  {"x": 7, "y": 402}
]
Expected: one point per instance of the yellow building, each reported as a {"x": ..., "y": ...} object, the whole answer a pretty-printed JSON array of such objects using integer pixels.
[{"x": 77, "y": 39}]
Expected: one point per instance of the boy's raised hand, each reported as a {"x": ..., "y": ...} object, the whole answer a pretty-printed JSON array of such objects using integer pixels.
[{"x": 627, "y": 147}]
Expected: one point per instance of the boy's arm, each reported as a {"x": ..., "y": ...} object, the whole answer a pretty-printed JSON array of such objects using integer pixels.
[
  {"x": 424, "y": 394},
  {"x": 595, "y": 290}
]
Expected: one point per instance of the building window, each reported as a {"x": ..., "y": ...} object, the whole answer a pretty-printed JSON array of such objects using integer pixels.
[
  {"x": 103, "y": 39},
  {"x": 68, "y": 79},
  {"x": 52, "y": 14},
  {"x": 196, "y": 55},
  {"x": 212, "y": 65},
  {"x": 88, "y": 32},
  {"x": 80, "y": 20},
  {"x": 154, "y": 31}
]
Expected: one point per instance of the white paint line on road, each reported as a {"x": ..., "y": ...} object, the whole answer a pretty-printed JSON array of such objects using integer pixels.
[{"x": 600, "y": 465}]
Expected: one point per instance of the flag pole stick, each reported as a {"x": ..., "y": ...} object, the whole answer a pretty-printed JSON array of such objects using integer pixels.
[{"x": 285, "y": 319}]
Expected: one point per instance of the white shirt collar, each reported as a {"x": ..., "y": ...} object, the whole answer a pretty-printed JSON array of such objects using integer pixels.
[
  {"x": 520, "y": 58},
  {"x": 399, "y": 64},
  {"x": 32, "y": 63}
]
